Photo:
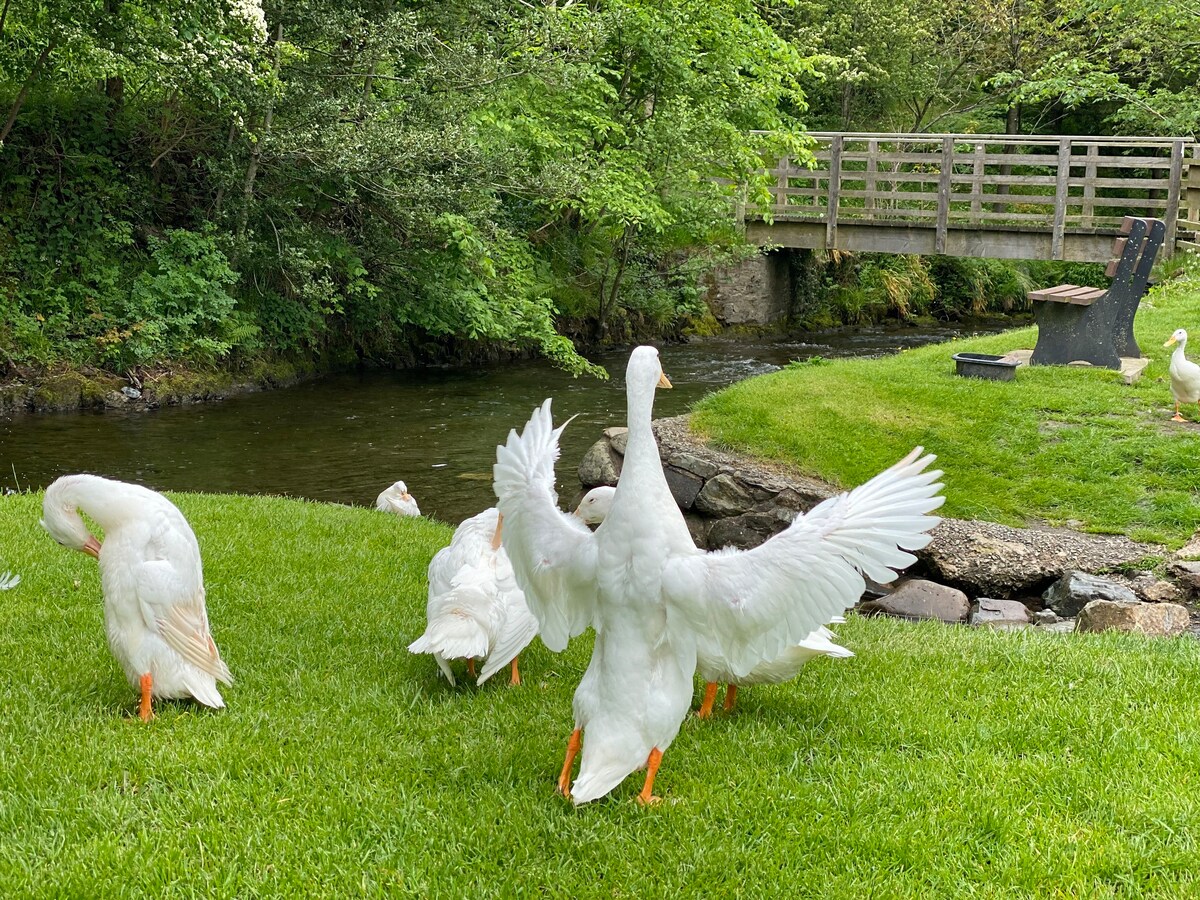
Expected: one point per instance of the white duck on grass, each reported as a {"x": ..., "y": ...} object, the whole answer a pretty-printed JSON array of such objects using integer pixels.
[
  {"x": 1185, "y": 374},
  {"x": 153, "y": 585},
  {"x": 397, "y": 500},
  {"x": 649, "y": 594},
  {"x": 475, "y": 608},
  {"x": 710, "y": 664}
]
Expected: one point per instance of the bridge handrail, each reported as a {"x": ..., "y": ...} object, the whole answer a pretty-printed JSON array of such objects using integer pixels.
[{"x": 1082, "y": 185}]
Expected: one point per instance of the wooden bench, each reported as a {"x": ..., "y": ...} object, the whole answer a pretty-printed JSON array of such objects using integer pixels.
[{"x": 1092, "y": 324}]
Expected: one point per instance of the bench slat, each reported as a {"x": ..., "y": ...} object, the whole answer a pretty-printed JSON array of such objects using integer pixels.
[{"x": 1068, "y": 293}]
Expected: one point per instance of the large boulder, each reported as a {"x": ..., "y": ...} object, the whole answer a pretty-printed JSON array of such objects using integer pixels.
[
  {"x": 915, "y": 598},
  {"x": 992, "y": 560},
  {"x": 1075, "y": 590},
  {"x": 1187, "y": 574},
  {"x": 1153, "y": 619}
]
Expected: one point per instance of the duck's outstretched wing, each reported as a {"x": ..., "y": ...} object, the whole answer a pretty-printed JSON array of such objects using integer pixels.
[
  {"x": 553, "y": 554},
  {"x": 753, "y": 604}
]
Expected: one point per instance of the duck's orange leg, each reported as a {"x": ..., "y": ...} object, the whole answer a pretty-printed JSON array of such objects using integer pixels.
[
  {"x": 516, "y": 676},
  {"x": 710, "y": 697},
  {"x": 144, "y": 709},
  {"x": 1177, "y": 417},
  {"x": 471, "y": 666},
  {"x": 573, "y": 745},
  {"x": 730, "y": 696},
  {"x": 646, "y": 797}
]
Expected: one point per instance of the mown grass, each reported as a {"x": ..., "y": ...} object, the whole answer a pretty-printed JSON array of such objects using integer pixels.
[
  {"x": 939, "y": 762},
  {"x": 1059, "y": 445}
]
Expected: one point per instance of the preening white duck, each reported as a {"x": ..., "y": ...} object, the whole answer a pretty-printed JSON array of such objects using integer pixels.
[
  {"x": 475, "y": 608},
  {"x": 1185, "y": 374},
  {"x": 397, "y": 500},
  {"x": 710, "y": 665},
  {"x": 8, "y": 581},
  {"x": 649, "y": 593},
  {"x": 153, "y": 585}
]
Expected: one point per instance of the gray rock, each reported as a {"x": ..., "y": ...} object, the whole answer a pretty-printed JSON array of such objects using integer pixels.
[
  {"x": 1159, "y": 592},
  {"x": 1047, "y": 617},
  {"x": 1063, "y": 626},
  {"x": 618, "y": 439},
  {"x": 600, "y": 466},
  {"x": 992, "y": 560},
  {"x": 999, "y": 615},
  {"x": 698, "y": 527},
  {"x": 1187, "y": 574},
  {"x": 723, "y": 496},
  {"x": 684, "y": 486},
  {"x": 745, "y": 531},
  {"x": 1190, "y": 550},
  {"x": 1153, "y": 619},
  {"x": 690, "y": 462},
  {"x": 916, "y": 598},
  {"x": 1075, "y": 590}
]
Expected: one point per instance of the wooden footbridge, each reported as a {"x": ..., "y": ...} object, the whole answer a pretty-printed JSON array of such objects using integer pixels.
[{"x": 998, "y": 196}]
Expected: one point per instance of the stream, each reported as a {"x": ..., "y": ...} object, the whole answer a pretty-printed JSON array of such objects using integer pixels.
[{"x": 344, "y": 438}]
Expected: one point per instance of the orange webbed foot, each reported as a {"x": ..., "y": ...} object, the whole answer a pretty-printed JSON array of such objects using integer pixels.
[
  {"x": 710, "y": 697},
  {"x": 564, "y": 779},
  {"x": 144, "y": 708}
]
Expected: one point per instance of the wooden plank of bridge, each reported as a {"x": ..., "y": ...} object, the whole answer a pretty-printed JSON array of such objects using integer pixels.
[
  {"x": 1089, "y": 185},
  {"x": 977, "y": 171},
  {"x": 1173, "y": 196},
  {"x": 781, "y": 182},
  {"x": 1062, "y": 184},
  {"x": 872, "y": 168},
  {"x": 835, "y": 187},
  {"x": 943, "y": 194}
]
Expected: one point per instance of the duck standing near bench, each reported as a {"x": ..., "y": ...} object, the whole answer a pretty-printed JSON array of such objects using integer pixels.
[{"x": 1092, "y": 324}]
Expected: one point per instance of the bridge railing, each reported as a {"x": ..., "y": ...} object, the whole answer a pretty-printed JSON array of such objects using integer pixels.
[{"x": 943, "y": 181}]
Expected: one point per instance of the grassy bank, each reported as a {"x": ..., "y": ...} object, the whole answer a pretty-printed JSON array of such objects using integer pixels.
[
  {"x": 1058, "y": 445},
  {"x": 937, "y": 762}
]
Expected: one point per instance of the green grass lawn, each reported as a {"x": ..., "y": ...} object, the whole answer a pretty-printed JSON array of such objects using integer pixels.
[
  {"x": 939, "y": 762},
  {"x": 1058, "y": 445}
]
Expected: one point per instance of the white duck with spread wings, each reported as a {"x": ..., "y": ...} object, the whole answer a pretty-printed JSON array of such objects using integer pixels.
[
  {"x": 475, "y": 608},
  {"x": 710, "y": 665},
  {"x": 153, "y": 585},
  {"x": 640, "y": 582}
]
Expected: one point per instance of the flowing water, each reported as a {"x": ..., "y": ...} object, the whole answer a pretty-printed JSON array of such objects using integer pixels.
[{"x": 344, "y": 438}]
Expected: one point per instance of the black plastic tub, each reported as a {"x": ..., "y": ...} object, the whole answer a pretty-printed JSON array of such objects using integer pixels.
[{"x": 984, "y": 365}]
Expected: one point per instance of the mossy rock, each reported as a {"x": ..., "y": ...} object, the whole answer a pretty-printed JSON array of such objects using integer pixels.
[{"x": 72, "y": 390}]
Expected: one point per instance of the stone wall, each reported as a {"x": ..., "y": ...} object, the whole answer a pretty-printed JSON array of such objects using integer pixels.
[{"x": 757, "y": 291}]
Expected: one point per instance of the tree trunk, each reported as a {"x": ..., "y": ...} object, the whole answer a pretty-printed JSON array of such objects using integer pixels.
[
  {"x": 15, "y": 109},
  {"x": 256, "y": 150},
  {"x": 1012, "y": 125}
]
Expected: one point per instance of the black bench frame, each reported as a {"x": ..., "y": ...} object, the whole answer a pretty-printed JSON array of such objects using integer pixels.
[{"x": 1092, "y": 324}]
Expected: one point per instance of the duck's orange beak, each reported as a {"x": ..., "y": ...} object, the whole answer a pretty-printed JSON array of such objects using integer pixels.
[
  {"x": 92, "y": 547},
  {"x": 663, "y": 380},
  {"x": 1170, "y": 341}
]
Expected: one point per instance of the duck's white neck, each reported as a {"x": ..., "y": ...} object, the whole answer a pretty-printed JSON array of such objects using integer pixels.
[{"x": 1178, "y": 355}]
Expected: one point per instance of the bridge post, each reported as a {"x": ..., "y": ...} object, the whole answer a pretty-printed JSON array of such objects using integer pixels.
[
  {"x": 977, "y": 172},
  {"x": 1061, "y": 190},
  {"x": 835, "y": 188},
  {"x": 872, "y": 168},
  {"x": 1089, "y": 186},
  {"x": 943, "y": 201},
  {"x": 1174, "y": 189}
]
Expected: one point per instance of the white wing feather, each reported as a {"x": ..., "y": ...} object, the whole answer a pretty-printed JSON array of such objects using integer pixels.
[
  {"x": 8, "y": 581},
  {"x": 171, "y": 597},
  {"x": 553, "y": 554},
  {"x": 754, "y": 604}
]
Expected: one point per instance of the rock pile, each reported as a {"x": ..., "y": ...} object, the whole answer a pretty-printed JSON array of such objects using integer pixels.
[{"x": 980, "y": 573}]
